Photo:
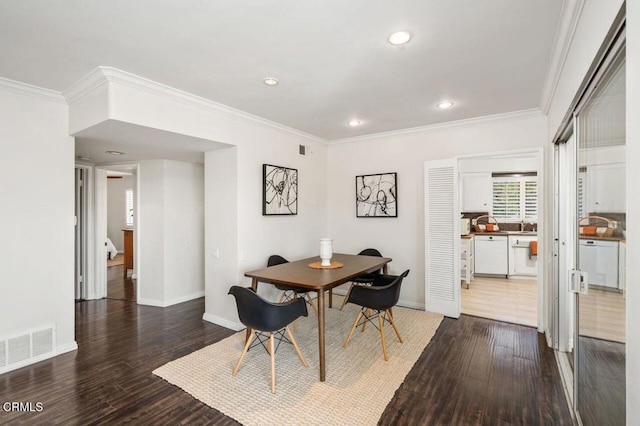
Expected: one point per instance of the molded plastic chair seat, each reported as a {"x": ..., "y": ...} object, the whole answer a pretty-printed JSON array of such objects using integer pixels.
[
  {"x": 261, "y": 316},
  {"x": 287, "y": 290},
  {"x": 364, "y": 279},
  {"x": 380, "y": 296}
]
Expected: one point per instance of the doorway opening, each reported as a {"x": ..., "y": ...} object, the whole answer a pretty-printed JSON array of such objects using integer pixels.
[
  {"x": 121, "y": 213},
  {"x": 500, "y": 197}
]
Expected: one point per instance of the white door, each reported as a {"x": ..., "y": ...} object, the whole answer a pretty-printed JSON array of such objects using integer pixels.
[{"x": 442, "y": 237}]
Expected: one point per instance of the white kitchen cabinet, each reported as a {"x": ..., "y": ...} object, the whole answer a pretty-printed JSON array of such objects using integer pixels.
[
  {"x": 476, "y": 192},
  {"x": 604, "y": 189},
  {"x": 491, "y": 254},
  {"x": 599, "y": 259},
  {"x": 467, "y": 266},
  {"x": 521, "y": 262}
]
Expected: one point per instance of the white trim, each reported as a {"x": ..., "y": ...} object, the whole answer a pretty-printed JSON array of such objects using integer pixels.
[
  {"x": 566, "y": 375},
  {"x": 515, "y": 115},
  {"x": 235, "y": 326},
  {"x": 69, "y": 347},
  {"x": 31, "y": 90},
  {"x": 565, "y": 31},
  {"x": 102, "y": 75},
  {"x": 167, "y": 303}
]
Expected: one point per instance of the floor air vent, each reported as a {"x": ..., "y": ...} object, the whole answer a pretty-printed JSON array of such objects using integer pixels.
[{"x": 24, "y": 349}]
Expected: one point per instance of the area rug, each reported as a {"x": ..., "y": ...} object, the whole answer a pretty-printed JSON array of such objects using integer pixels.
[{"x": 359, "y": 383}]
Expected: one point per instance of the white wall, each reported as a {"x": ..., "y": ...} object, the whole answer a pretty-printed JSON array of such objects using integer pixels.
[
  {"x": 116, "y": 209},
  {"x": 171, "y": 217},
  {"x": 36, "y": 217},
  {"x": 184, "y": 231},
  {"x": 150, "y": 262},
  {"x": 405, "y": 153},
  {"x": 633, "y": 211}
]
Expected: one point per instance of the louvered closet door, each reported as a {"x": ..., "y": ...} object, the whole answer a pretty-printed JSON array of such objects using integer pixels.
[{"x": 442, "y": 237}]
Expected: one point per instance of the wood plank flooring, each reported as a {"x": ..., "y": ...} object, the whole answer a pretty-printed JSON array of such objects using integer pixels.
[
  {"x": 120, "y": 285},
  {"x": 602, "y": 315},
  {"x": 474, "y": 371},
  {"x": 510, "y": 300}
]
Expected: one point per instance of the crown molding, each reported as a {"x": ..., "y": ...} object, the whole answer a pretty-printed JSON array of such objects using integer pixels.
[
  {"x": 103, "y": 75},
  {"x": 30, "y": 90},
  {"x": 565, "y": 31},
  {"x": 516, "y": 115}
]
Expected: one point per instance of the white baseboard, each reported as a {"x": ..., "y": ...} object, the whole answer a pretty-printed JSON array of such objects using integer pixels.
[
  {"x": 69, "y": 347},
  {"x": 223, "y": 322},
  {"x": 166, "y": 303}
]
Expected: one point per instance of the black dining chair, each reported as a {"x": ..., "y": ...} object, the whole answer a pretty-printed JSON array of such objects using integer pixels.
[
  {"x": 376, "y": 301},
  {"x": 262, "y": 319},
  {"x": 364, "y": 279},
  {"x": 289, "y": 293}
]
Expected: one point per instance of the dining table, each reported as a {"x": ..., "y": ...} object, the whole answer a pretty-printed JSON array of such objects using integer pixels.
[{"x": 300, "y": 274}]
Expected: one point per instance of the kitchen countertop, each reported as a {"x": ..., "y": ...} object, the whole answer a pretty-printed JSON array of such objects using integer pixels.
[
  {"x": 503, "y": 233},
  {"x": 599, "y": 238}
]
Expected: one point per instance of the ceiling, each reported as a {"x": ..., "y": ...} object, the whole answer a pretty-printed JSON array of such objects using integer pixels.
[
  {"x": 331, "y": 57},
  {"x": 139, "y": 143}
]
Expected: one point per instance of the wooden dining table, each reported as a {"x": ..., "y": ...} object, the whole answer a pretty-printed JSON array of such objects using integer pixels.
[{"x": 299, "y": 274}]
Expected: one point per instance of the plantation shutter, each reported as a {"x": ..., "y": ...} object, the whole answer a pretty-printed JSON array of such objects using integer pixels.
[
  {"x": 129, "y": 207},
  {"x": 442, "y": 238},
  {"x": 506, "y": 199},
  {"x": 531, "y": 200}
]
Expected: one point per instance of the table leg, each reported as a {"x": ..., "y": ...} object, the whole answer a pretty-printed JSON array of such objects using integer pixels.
[
  {"x": 385, "y": 269},
  {"x": 254, "y": 286},
  {"x": 321, "y": 333},
  {"x": 330, "y": 298}
]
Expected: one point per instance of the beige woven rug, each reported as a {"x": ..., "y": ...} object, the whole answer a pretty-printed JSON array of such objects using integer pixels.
[{"x": 359, "y": 382}]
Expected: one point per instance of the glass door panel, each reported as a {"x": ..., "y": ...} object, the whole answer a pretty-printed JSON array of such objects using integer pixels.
[{"x": 599, "y": 363}]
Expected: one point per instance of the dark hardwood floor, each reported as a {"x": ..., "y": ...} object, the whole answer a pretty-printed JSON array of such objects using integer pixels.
[
  {"x": 120, "y": 286},
  {"x": 474, "y": 371}
]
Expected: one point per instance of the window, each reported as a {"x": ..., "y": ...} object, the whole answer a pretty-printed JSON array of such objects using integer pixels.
[
  {"x": 129, "y": 207},
  {"x": 515, "y": 198}
]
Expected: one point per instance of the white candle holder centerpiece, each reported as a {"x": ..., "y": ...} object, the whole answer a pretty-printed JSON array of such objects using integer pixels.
[{"x": 326, "y": 251}]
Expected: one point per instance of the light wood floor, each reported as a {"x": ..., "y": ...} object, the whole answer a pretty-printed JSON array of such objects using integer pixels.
[
  {"x": 602, "y": 313},
  {"x": 509, "y": 300}
]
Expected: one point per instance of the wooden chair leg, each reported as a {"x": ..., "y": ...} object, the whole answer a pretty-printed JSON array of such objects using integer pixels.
[
  {"x": 364, "y": 324},
  {"x": 244, "y": 351},
  {"x": 353, "y": 327},
  {"x": 273, "y": 363},
  {"x": 295, "y": 345},
  {"x": 393, "y": 324},
  {"x": 384, "y": 345}
]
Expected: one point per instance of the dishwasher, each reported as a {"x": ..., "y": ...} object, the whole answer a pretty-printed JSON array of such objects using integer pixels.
[
  {"x": 491, "y": 254},
  {"x": 599, "y": 259}
]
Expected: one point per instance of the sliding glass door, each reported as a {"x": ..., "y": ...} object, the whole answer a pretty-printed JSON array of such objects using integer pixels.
[{"x": 599, "y": 352}]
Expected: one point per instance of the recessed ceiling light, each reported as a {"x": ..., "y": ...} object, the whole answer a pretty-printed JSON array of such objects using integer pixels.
[
  {"x": 115, "y": 152},
  {"x": 270, "y": 81},
  {"x": 445, "y": 105},
  {"x": 354, "y": 123},
  {"x": 399, "y": 38}
]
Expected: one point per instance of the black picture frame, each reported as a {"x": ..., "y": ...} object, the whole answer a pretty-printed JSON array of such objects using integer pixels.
[
  {"x": 377, "y": 195},
  {"x": 279, "y": 190}
]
